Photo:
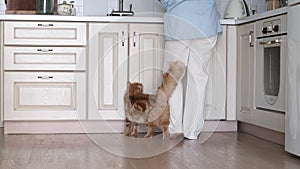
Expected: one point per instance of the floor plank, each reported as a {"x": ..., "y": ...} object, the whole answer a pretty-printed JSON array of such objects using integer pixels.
[{"x": 79, "y": 151}]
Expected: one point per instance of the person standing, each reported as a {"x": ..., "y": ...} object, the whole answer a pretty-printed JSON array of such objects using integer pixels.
[{"x": 191, "y": 31}]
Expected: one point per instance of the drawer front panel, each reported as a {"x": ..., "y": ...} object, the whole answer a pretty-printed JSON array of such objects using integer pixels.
[
  {"x": 44, "y": 33},
  {"x": 44, "y": 96},
  {"x": 44, "y": 58}
]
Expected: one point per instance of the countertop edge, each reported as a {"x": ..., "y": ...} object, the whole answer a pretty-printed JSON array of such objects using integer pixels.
[
  {"x": 253, "y": 18},
  {"x": 140, "y": 19}
]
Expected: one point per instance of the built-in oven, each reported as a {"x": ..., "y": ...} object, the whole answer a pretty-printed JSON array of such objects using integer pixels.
[{"x": 271, "y": 54}]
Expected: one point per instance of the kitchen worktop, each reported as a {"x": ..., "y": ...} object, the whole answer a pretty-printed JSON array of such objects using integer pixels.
[
  {"x": 256, "y": 17},
  {"x": 144, "y": 19},
  {"x": 137, "y": 19}
]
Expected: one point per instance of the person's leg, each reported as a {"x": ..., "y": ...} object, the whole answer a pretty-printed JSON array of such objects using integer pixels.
[
  {"x": 176, "y": 50},
  {"x": 197, "y": 77}
]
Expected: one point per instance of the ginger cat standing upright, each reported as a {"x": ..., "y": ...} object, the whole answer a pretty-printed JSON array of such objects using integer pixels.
[{"x": 151, "y": 109}]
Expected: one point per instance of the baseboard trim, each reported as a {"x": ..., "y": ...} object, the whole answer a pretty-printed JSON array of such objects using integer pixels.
[
  {"x": 109, "y": 126},
  {"x": 61, "y": 127},
  {"x": 220, "y": 126},
  {"x": 261, "y": 132}
]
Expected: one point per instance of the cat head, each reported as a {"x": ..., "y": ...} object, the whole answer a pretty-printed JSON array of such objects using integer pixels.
[{"x": 134, "y": 88}]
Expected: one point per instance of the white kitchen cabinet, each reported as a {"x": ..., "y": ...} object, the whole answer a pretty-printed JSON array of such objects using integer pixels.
[
  {"x": 245, "y": 79},
  {"x": 44, "y": 33},
  {"x": 44, "y": 66},
  {"x": 1, "y": 74},
  {"x": 246, "y": 67},
  {"x": 146, "y": 51},
  {"x": 114, "y": 49},
  {"x": 108, "y": 67},
  {"x": 44, "y": 96},
  {"x": 216, "y": 88}
]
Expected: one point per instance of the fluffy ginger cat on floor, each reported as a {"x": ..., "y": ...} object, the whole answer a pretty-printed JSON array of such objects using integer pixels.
[{"x": 154, "y": 110}]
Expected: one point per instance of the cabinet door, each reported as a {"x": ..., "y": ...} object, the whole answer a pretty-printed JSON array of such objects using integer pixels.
[
  {"x": 216, "y": 88},
  {"x": 146, "y": 55},
  {"x": 108, "y": 51},
  {"x": 1, "y": 75},
  {"x": 44, "y": 96},
  {"x": 245, "y": 73}
]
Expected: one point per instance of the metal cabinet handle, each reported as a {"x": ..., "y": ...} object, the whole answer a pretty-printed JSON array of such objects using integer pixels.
[
  {"x": 251, "y": 33},
  {"x": 45, "y": 50},
  {"x": 123, "y": 38},
  {"x": 270, "y": 42},
  {"x": 45, "y": 77},
  {"x": 134, "y": 39},
  {"x": 45, "y": 25}
]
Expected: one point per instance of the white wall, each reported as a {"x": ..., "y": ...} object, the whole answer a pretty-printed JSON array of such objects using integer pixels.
[
  {"x": 95, "y": 7},
  {"x": 222, "y": 5},
  {"x": 102, "y": 7},
  {"x": 140, "y": 7}
]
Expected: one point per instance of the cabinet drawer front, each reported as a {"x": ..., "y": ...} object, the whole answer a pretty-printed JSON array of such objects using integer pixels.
[
  {"x": 44, "y": 58},
  {"x": 44, "y": 96},
  {"x": 44, "y": 33}
]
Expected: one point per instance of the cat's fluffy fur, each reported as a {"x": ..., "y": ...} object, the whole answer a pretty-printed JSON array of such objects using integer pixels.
[{"x": 151, "y": 109}]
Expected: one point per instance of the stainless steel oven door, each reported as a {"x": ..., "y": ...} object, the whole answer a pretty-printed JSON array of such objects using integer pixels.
[{"x": 270, "y": 81}]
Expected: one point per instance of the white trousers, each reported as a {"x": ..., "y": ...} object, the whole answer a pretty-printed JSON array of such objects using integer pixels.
[{"x": 187, "y": 104}]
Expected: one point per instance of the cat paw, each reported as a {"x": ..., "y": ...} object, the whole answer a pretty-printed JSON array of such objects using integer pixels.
[
  {"x": 166, "y": 136},
  {"x": 148, "y": 136},
  {"x": 134, "y": 135}
]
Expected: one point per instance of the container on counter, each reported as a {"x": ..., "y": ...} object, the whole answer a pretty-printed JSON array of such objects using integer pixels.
[{"x": 45, "y": 7}]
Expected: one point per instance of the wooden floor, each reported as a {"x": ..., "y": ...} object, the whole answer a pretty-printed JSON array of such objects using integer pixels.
[{"x": 78, "y": 151}]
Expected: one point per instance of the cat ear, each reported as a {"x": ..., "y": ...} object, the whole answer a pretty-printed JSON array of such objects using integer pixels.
[{"x": 128, "y": 83}]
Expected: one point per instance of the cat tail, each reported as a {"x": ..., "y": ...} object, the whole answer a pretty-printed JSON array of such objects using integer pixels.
[{"x": 170, "y": 79}]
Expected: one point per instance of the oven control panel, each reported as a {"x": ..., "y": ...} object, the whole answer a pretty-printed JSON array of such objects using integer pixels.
[{"x": 271, "y": 26}]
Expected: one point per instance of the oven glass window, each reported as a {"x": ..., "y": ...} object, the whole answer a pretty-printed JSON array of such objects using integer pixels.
[{"x": 272, "y": 70}]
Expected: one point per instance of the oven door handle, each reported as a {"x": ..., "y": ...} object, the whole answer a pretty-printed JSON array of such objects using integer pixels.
[{"x": 270, "y": 42}]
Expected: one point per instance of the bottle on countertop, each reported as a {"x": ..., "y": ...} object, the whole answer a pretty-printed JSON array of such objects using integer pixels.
[
  {"x": 73, "y": 10},
  {"x": 2, "y": 6}
]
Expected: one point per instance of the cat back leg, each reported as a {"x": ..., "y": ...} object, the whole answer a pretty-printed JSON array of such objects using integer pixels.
[
  {"x": 165, "y": 129},
  {"x": 164, "y": 123}
]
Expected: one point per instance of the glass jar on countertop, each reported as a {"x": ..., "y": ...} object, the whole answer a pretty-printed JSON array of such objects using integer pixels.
[{"x": 45, "y": 7}]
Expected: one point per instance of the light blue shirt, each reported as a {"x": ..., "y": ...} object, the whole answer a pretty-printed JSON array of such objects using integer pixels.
[{"x": 190, "y": 19}]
